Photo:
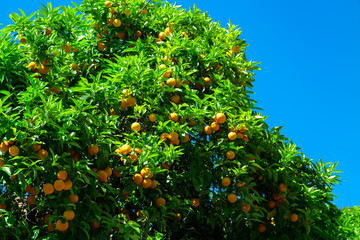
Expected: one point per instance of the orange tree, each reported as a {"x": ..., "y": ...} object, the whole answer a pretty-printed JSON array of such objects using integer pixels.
[{"x": 134, "y": 120}]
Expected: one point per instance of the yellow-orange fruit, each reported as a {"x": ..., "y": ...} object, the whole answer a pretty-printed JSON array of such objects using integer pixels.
[
  {"x": 68, "y": 184},
  {"x": 48, "y": 188},
  {"x": 146, "y": 183},
  {"x": 195, "y": 202},
  {"x": 93, "y": 149},
  {"x": 59, "y": 185},
  {"x": 62, "y": 227},
  {"x": 108, "y": 171},
  {"x": 136, "y": 126},
  {"x": 232, "y": 136},
  {"x": 14, "y": 151},
  {"x": 226, "y": 181},
  {"x": 232, "y": 198},
  {"x": 102, "y": 176},
  {"x": 74, "y": 198},
  {"x": 69, "y": 214},
  {"x": 62, "y": 175},
  {"x": 230, "y": 155},
  {"x": 153, "y": 184},
  {"x": 137, "y": 178},
  {"x": 160, "y": 202}
]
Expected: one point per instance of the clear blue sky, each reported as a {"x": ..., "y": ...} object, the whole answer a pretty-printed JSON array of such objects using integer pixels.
[{"x": 310, "y": 78}]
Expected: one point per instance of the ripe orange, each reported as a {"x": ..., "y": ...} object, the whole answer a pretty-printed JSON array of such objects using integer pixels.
[
  {"x": 101, "y": 45},
  {"x": 282, "y": 187},
  {"x": 135, "y": 126},
  {"x": 102, "y": 176},
  {"x": 36, "y": 147},
  {"x": 138, "y": 34},
  {"x": 232, "y": 197},
  {"x": 240, "y": 184},
  {"x": 226, "y": 181},
  {"x": 146, "y": 173},
  {"x": 174, "y": 117},
  {"x": 131, "y": 101},
  {"x": 153, "y": 184},
  {"x": 47, "y": 31},
  {"x": 116, "y": 174},
  {"x": 62, "y": 175},
  {"x": 44, "y": 69},
  {"x": 232, "y": 136},
  {"x": 108, "y": 4},
  {"x": 271, "y": 204},
  {"x": 68, "y": 184},
  {"x": 127, "y": 12},
  {"x": 48, "y": 188},
  {"x": 33, "y": 191},
  {"x": 220, "y": 118},
  {"x": 46, "y": 218},
  {"x": 32, "y": 66},
  {"x": 137, "y": 178},
  {"x": 171, "y": 82},
  {"x": 3, "y": 206},
  {"x": 175, "y": 99},
  {"x": 14, "y": 151},
  {"x": 59, "y": 185},
  {"x": 144, "y": 11},
  {"x": 2, "y": 163},
  {"x": 146, "y": 183},
  {"x": 215, "y": 126},
  {"x": 126, "y": 149},
  {"x": 294, "y": 217},
  {"x": 4, "y": 146},
  {"x": 276, "y": 196},
  {"x": 152, "y": 117},
  {"x": 74, "y": 198},
  {"x": 245, "y": 207},
  {"x": 162, "y": 36},
  {"x": 261, "y": 228},
  {"x": 207, "y": 80},
  {"x": 195, "y": 202},
  {"x": 186, "y": 137},
  {"x": 108, "y": 171},
  {"x": 160, "y": 202},
  {"x": 117, "y": 23},
  {"x": 121, "y": 35},
  {"x": 230, "y": 155},
  {"x": 207, "y": 130},
  {"x": 245, "y": 138},
  {"x": 62, "y": 226},
  {"x": 95, "y": 225},
  {"x": 30, "y": 200},
  {"x": 51, "y": 227},
  {"x": 42, "y": 154},
  {"x": 69, "y": 214},
  {"x": 93, "y": 149},
  {"x": 173, "y": 136},
  {"x": 22, "y": 40},
  {"x": 167, "y": 74}
]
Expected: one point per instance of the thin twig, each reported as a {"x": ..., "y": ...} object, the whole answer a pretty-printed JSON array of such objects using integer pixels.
[{"x": 140, "y": 12}]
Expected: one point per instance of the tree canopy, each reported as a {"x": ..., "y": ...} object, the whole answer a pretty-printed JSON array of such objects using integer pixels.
[{"x": 135, "y": 120}]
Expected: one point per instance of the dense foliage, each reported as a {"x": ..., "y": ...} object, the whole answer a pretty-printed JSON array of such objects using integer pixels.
[{"x": 134, "y": 120}]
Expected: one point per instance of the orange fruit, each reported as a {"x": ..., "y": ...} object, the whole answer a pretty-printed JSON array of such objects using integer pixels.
[
  {"x": 22, "y": 40},
  {"x": 171, "y": 82},
  {"x": 93, "y": 149},
  {"x": 245, "y": 207},
  {"x": 59, "y": 185},
  {"x": 215, "y": 126},
  {"x": 276, "y": 196},
  {"x": 232, "y": 198},
  {"x": 121, "y": 35},
  {"x": 135, "y": 126},
  {"x": 51, "y": 227},
  {"x": 240, "y": 184},
  {"x": 144, "y": 11},
  {"x": 146, "y": 173},
  {"x": 226, "y": 181},
  {"x": 126, "y": 149},
  {"x": 207, "y": 130},
  {"x": 271, "y": 204},
  {"x": 2, "y": 163},
  {"x": 101, "y": 45},
  {"x": 74, "y": 198},
  {"x": 165, "y": 166},
  {"x": 294, "y": 217},
  {"x": 36, "y": 147},
  {"x": 245, "y": 138},
  {"x": 174, "y": 117},
  {"x": 32, "y": 66},
  {"x": 3, "y": 206},
  {"x": 68, "y": 184},
  {"x": 138, "y": 34},
  {"x": 160, "y": 202},
  {"x": 69, "y": 214},
  {"x": 108, "y": 4},
  {"x": 95, "y": 225},
  {"x": 186, "y": 137},
  {"x": 117, "y": 23},
  {"x": 4, "y": 146},
  {"x": 42, "y": 154},
  {"x": 195, "y": 202},
  {"x": 282, "y": 187},
  {"x": 127, "y": 12},
  {"x": 14, "y": 151},
  {"x": 137, "y": 150},
  {"x": 62, "y": 226},
  {"x": 116, "y": 174},
  {"x": 261, "y": 228},
  {"x": 62, "y": 175},
  {"x": 44, "y": 69},
  {"x": 177, "y": 216},
  {"x": 137, "y": 178},
  {"x": 230, "y": 155},
  {"x": 232, "y": 136},
  {"x": 30, "y": 200},
  {"x": 220, "y": 118},
  {"x": 47, "y": 218},
  {"x": 152, "y": 117},
  {"x": 207, "y": 80},
  {"x": 162, "y": 36},
  {"x": 28, "y": 188},
  {"x": 153, "y": 184},
  {"x": 175, "y": 99},
  {"x": 131, "y": 101},
  {"x": 146, "y": 183},
  {"x": 108, "y": 171},
  {"x": 167, "y": 74},
  {"x": 48, "y": 188},
  {"x": 133, "y": 156},
  {"x": 102, "y": 176},
  {"x": 33, "y": 191}
]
